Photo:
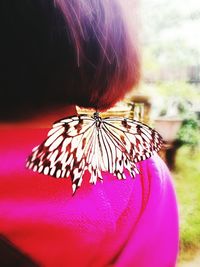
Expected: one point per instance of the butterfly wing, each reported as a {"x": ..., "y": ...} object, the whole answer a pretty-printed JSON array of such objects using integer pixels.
[
  {"x": 66, "y": 151},
  {"x": 130, "y": 141},
  {"x": 78, "y": 143}
]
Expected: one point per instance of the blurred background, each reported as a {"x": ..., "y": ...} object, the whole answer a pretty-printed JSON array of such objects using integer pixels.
[{"x": 168, "y": 98}]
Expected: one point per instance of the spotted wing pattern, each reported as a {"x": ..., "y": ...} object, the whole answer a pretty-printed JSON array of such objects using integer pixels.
[{"x": 79, "y": 143}]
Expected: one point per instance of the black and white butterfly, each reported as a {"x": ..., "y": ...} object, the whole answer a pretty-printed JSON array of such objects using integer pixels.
[{"x": 79, "y": 143}]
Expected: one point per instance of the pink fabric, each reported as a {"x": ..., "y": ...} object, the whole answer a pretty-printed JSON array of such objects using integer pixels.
[{"x": 117, "y": 223}]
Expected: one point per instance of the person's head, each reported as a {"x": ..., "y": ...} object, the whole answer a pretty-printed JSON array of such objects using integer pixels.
[{"x": 59, "y": 52}]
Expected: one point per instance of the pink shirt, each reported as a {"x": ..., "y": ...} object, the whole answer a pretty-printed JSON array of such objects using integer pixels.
[{"x": 133, "y": 222}]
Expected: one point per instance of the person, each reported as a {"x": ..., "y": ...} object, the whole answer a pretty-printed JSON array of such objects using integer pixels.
[{"x": 55, "y": 55}]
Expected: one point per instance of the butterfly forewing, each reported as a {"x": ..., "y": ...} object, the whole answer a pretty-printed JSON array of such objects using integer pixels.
[{"x": 78, "y": 143}]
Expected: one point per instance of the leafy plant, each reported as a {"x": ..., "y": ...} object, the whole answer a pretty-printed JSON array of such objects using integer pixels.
[{"x": 189, "y": 132}]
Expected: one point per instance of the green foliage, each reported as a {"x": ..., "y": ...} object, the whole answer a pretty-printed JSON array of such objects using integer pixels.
[
  {"x": 189, "y": 132},
  {"x": 172, "y": 98},
  {"x": 178, "y": 89},
  {"x": 167, "y": 89},
  {"x": 187, "y": 180}
]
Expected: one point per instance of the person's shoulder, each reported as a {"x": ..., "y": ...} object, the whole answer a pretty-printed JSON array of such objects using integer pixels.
[{"x": 156, "y": 170}]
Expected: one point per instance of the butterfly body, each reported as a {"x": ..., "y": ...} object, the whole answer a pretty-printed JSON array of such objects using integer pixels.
[{"x": 79, "y": 143}]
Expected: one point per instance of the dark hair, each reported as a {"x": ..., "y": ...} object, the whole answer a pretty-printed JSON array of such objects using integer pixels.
[{"x": 56, "y": 52}]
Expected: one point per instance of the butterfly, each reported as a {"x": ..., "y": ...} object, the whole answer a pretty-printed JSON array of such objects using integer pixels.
[{"x": 79, "y": 143}]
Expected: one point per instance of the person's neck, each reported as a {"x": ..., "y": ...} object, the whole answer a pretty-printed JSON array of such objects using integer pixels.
[{"x": 44, "y": 119}]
